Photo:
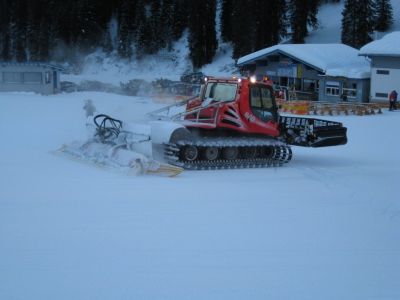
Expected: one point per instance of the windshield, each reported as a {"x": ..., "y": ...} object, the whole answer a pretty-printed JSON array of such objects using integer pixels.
[{"x": 218, "y": 91}]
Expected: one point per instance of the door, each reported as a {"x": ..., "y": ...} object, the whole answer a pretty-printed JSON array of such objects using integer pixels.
[
  {"x": 55, "y": 81},
  {"x": 262, "y": 103}
]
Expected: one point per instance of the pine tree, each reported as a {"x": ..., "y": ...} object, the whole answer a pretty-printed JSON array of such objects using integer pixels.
[
  {"x": 142, "y": 31},
  {"x": 180, "y": 18},
  {"x": 125, "y": 14},
  {"x": 105, "y": 15},
  {"x": 167, "y": 17},
  {"x": 20, "y": 33},
  {"x": 243, "y": 27},
  {"x": 258, "y": 26},
  {"x": 383, "y": 15},
  {"x": 202, "y": 36},
  {"x": 226, "y": 20},
  {"x": 270, "y": 23},
  {"x": 5, "y": 49},
  {"x": 34, "y": 14},
  {"x": 40, "y": 29},
  {"x": 106, "y": 43},
  {"x": 89, "y": 30},
  {"x": 357, "y": 22},
  {"x": 156, "y": 35},
  {"x": 303, "y": 13},
  {"x": 45, "y": 36}
]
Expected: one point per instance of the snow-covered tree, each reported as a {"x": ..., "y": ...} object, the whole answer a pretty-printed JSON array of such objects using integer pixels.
[
  {"x": 202, "y": 36},
  {"x": 226, "y": 20},
  {"x": 357, "y": 22},
  {"x": 270, "y": 23},
  {"x": 383, "y": 15},
  {"x": 303, "y": 13},
  {"x": 125, "y": 11},
  {"x": 243, "y": 27}
]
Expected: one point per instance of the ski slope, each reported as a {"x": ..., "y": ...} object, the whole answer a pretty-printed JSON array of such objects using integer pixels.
[{"x": 324, "y": 226}]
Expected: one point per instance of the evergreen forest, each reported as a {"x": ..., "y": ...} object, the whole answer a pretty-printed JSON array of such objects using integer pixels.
[{"x": 43, "y": 30}]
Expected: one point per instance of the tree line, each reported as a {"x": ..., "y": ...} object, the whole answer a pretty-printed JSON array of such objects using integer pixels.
[{"x": 42, "y": 30}]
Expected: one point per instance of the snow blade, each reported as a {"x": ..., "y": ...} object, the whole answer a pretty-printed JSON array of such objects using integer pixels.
[{"x": 116, "y": 157}]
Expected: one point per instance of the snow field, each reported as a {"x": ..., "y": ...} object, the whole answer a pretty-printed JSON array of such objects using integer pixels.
[{"x": 324, "y": 226}]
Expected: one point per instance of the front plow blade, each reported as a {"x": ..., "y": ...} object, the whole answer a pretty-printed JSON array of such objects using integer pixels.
[{"x": 116, "y": 157}]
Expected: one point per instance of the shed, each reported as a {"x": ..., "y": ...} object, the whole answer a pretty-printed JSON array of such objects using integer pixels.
[
  {"x": 322, "y": 72},
  {"x": 384, "y": 55},
  {"x": 30, "y": 77}
]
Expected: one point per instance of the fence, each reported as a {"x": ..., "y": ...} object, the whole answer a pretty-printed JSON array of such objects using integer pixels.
[{"x": 328, "y": 108}]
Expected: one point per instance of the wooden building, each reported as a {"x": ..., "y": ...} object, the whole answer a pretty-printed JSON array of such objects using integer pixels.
[{"x": 324, "y": 72}]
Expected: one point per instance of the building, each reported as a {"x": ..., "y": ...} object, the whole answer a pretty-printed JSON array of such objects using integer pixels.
[
  {"x": 29, "y": 77},
  {"x": 384, "y": 55},
  {"x": 324, "y": 72}
]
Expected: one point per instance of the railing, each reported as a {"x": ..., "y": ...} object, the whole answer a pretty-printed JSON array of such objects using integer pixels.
[
  {"x": 345, "y": 108},
  {"x": 168, "y": 113},
  {"x": 329, "y": 108}
]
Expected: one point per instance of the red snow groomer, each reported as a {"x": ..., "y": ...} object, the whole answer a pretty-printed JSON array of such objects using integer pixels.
[{"x": 234, "y": 123}]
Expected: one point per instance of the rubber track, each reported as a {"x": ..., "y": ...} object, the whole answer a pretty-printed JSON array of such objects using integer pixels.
[{"x": 282, "y": 153}]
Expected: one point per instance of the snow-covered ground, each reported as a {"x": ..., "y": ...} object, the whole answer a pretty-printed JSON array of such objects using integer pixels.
[{"x": 325, "y": 226}]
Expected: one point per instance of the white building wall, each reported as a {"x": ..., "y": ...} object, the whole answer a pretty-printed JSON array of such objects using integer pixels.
[{"x": 383, "y": 84}]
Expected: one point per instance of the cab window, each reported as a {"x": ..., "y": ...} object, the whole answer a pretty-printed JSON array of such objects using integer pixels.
[
  {"x": 261, "y": 103},
  {"x": 217, "y": 91}
]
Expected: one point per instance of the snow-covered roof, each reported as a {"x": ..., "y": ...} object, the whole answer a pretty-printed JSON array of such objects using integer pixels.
[
  {"x": 389, "y": 45},
  {"x": 29, "y": 64},
  {"x": 331, "y": 59}
]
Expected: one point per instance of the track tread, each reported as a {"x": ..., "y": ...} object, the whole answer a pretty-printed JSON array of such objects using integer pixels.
[{"x": 282, "y": 154}]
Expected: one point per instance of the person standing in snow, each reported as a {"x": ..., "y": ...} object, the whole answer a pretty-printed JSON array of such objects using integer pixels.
[
  {"x": 89, "y": 108},
  {"x": 393, "y": 100}
]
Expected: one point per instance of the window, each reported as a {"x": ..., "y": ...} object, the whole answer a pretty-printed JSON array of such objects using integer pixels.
[
  {"x": 47, "y": 77},
  {"x": 383, "y": 72},
  {"x": 221, "y": 91},
  {"x": 309, "y": 85},
  {"x": 12, "y": 77},
  {"x": 262, "y": 63},
  {"x": 32, "y": 77},
  {"x": 332, "y": 88},
  {"x": 266, "y": 98},
  {"x": 261, "y": 103},
  {"x": 350, "y": 90},
  {"x": 381, "y": 95},
  {"x": 273, "y": 58}
]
